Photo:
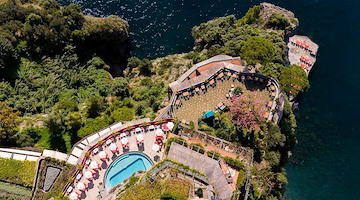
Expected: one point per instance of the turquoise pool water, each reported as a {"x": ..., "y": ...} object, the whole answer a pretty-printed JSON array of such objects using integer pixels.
[{"x": 124, "y": 166}]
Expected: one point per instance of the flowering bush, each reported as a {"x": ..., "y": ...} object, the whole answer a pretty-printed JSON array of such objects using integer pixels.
[{"x": 247, "y": 110}]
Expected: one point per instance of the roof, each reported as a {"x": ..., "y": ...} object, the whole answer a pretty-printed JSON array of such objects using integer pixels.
[
  {"x": 215, "y": 64},
  {"x": 205, "y": 165},
  {"x": 217, "y": 58}
]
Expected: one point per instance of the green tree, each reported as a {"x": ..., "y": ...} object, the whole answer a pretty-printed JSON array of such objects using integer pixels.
[
  {"x": 133, "y": 62},
  {"x": 119, "y": 87},
  {"x": 278, "y": 21},
  {"x": 7, "y": 53},
  {"x": 74, "y": 121},
  {"x": 293, "y": 80},
  {"x": 122, "y": 114},
  {"x": 28, "y": 137},
  {"x": 5, "y": 90},
  {"x": 95, "y": 106},
  {"x": 8, "y": 116},
  {"x": 92, "y": 125},
  {"x": 258, "y": 50},
  {"x": 251, "y": 16},
  {"x": 272, "y": 69},
  {"x": 145, "y": 67}
]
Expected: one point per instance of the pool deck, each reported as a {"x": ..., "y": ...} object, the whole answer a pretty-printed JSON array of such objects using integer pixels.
[{"x": 95, "y": 189}]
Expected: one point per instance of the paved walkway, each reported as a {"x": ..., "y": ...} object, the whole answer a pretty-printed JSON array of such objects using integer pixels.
[{"x": 93, "y": 191}]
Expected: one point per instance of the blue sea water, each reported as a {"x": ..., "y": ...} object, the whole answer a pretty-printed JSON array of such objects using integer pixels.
[{"x": 326, "y": 161}]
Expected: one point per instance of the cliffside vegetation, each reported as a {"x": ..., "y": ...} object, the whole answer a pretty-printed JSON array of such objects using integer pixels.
[{"x": 55, "y": 65}]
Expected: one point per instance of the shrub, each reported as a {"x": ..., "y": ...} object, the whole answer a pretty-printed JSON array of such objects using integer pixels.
[
  {"x": 241, "y": 178},
  {"x": 145, "y": 81},
  {"x": 278, "y": 21},
  {"x": 213, "y": 154},
  {"x": 197, "y": 147},
  {"x": 238, "y": 90},
  {"x": 169, "y": 195},
  {"x": 161, "y": 72},
  {"x": 199, "y": 192},
  {"x": 165, "y": 63},
  {"x": 234, "y": 163}
]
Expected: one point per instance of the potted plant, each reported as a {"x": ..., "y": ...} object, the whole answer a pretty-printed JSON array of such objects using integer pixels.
[{"x": 114, "y": 134}]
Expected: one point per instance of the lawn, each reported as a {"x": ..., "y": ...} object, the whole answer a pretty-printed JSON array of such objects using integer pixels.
[
  {"x": 12, "y": 191},
  {"x": 16, "y": 171}
]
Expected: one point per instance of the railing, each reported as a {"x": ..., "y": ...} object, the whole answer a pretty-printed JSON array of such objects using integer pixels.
[{"x": 215, "y": 141}]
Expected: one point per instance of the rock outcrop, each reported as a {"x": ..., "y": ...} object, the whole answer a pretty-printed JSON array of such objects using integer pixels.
[{"x": 267, "y": 11}]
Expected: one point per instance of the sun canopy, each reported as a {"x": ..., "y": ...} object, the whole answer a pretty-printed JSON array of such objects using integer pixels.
[
  {"x": 156, "y": 147},
  {"x": 74, "y": 196},
  {"x": 88, "y": 175},
  {"x": 159, "y": 132},
  {"x": 124, "y": 141},
  {"x": 170, "y": 125},
  {"x": 81, "y": 186},
  {"x": 139, "y": 138},
  {"x": 113, "y": 147},
  {"x": 102, "y": 154},
  {"x": 94, "y": 165}
]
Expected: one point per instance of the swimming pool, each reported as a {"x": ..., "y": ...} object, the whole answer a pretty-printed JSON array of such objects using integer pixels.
[{"x": 124, "y": 166}]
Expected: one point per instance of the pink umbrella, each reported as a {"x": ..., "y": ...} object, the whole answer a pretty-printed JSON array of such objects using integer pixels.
[
  {"x": 124, "y": 142},
  {"x": 159, "y": 132},
  {"x": 156, "y": 147},
  {"x": 94, "y": 165},
  {"x": 81, "y": 186},
  {"x": 113, "y": 148},
  {"x": 89, "y": 175},
  {"x": 139, "y": 139},
  {"x": 74, "y": 196},
  {"x": 103, "y": 155}
]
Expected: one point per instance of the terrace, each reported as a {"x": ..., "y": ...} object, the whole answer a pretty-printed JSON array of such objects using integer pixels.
[
  {"x": 209, "y": 85},
  {"x": 216, "y": 94},
  {"x": 91, "y": 186}
]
